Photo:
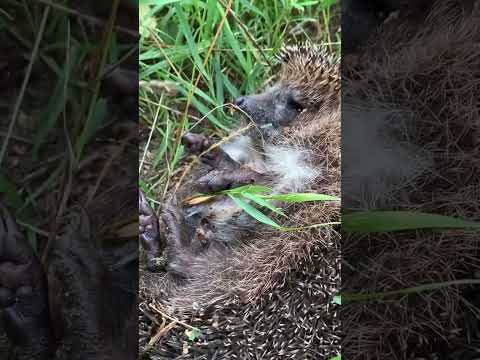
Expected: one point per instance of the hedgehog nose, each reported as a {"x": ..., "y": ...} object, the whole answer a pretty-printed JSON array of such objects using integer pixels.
[{"x": 240, "y": 101}]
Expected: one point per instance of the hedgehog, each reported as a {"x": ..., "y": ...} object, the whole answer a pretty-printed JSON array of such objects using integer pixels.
[
  {"x": 303, "y": 101},
  {"x": 255, "y": 292}
]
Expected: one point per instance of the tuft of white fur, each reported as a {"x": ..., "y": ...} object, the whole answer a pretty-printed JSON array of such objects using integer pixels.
[
  {"x": 242, "y": 150},
  {"x": 291, "y": 165}
]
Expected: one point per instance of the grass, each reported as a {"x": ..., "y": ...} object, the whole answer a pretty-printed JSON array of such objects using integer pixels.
[
  {"x": 371, "y": 222},
  {"x": 250, "y": 197},
  {"x": 60, "y": 54},
  {"x": 52, "y": 59},
  {"x": 197, "y": 56}
]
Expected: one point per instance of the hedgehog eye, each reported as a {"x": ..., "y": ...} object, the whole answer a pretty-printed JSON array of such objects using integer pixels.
[{"x": 293, "y": 104}]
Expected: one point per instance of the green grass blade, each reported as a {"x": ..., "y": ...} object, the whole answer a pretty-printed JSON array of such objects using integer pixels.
[
  {"x": 157, "y": 2},
  {"x": 308, "y": 227},
  {"x": 233, "y": 43},
  {"x": 386, "y": 221},
  {"x": 253, "y": 212},
  {"x": 51, "y": 115},
  {"x": 350, "y": 298},
  {"x": 160, "y": 156},
  {"x": 93, "y": 123},
  {"x": 300, "y": 197},
  {"x": 252, "y": 189},
  {"x": 219, "y": 88},
  {"x": 180, "y": 150},
  {"x": 212, "y": 14},
  {"x": 233, "y": 91},
  {"x": 185, "y": 28},
  {"x": 262, "y": 202}
]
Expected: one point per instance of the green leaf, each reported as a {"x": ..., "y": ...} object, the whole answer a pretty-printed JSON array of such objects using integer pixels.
[
  {"x": 146, "y": 20},
  {"x": 307, "y": 227},
  {"x": 252, "y": 189},
  {"x": 262, "y": 202},
  {"x": 212, "y": 14},
  {"x": 233, "y": 42},
  {"x": 338, "y": 357},
  {"x": 186, "y": 30},
  {"x": 177, "y": 156},
  {"x": 192, "y": 334},
  {"x": 219, "y": 93},
  {"x": 253, "y": 212},
  {"x": 233, "y": 91},
  {"x": 337, "y": 299},
  {"x": 386, "y": 221},
  {"x": 157, "y": 2},
  {"x": 300, "y": 197}
]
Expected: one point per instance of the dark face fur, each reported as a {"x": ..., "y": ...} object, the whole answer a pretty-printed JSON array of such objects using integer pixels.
[
  {"x": 278, "y": 106},
  {"x": 309, "y": 82}
]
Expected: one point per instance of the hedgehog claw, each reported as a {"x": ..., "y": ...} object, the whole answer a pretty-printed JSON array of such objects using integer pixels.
[
  {"x": 149, "y": 234},
  {"x": 196, "y": 143},
  {"x": 216, "y": 158}
]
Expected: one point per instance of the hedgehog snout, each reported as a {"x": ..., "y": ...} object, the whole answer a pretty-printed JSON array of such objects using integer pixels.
[{"x": 240, "y": 101}]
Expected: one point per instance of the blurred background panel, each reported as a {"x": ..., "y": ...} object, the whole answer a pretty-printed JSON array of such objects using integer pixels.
[
  {"x": 69, "y": 146},
  {"x": 410, "y": 215}
]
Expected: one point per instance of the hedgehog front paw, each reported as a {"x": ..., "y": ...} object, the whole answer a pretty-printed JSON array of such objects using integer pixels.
[
  {"x": 196, "y": 143},
  {"x": 219, "y": 180},
  {"x": 149, "y": 234},
  {"x": 23, "y": 292},
  {"x": 216, "y": 158}
]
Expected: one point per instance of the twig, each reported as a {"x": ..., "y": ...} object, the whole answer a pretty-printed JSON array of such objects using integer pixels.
[
  {"x": 162, "y": 331},
  {"x": 153, "y": 307},
  {"x": 33, "y": 228}
]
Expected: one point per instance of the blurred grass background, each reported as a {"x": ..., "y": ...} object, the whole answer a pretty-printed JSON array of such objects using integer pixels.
[
  {"x": 196, "y": 56},
  {"x": 53, "y": 57}
]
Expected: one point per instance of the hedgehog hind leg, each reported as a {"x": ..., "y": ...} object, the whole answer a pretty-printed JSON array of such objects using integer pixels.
[{"x": 23, "y": 293}]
